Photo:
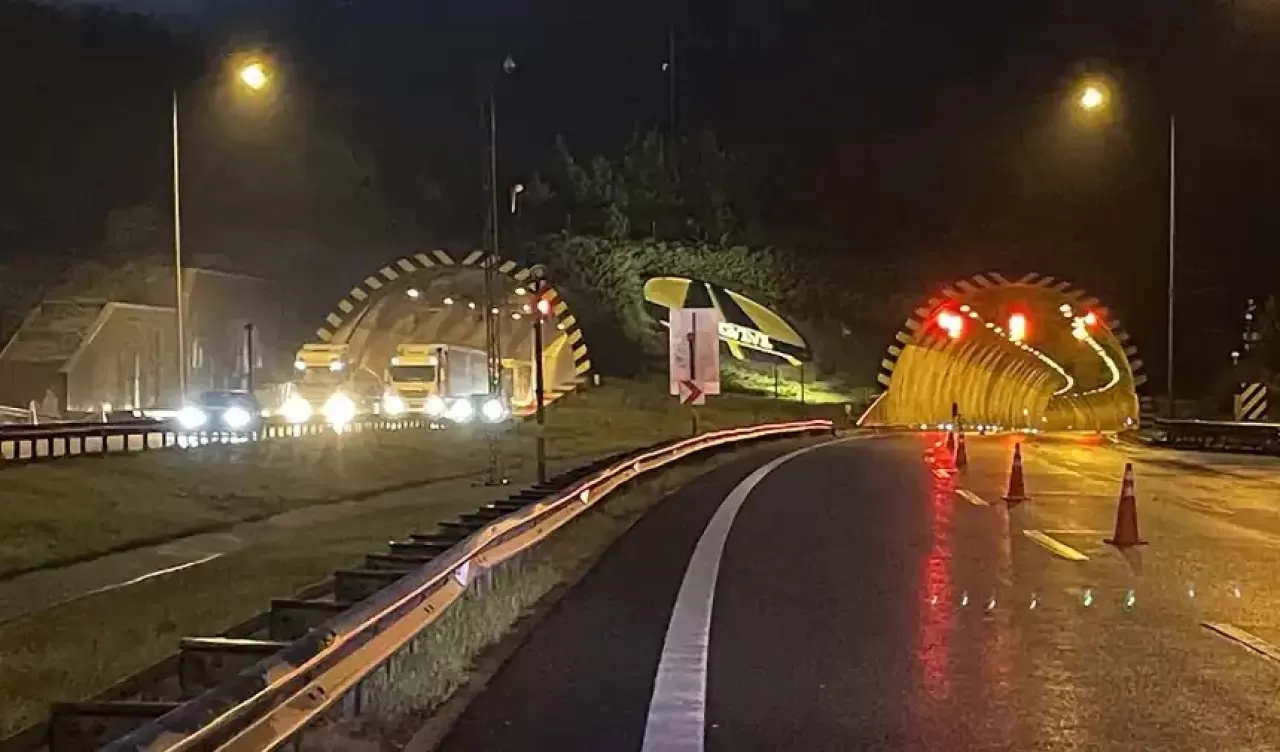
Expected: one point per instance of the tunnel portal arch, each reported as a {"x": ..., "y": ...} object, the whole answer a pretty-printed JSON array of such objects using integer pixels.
[
  {"x": 436, "y": 297},
  {"x": 1062, "y": 376}
]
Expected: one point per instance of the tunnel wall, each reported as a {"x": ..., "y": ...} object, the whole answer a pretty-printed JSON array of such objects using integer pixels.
[{"x": 996, "y": 381}]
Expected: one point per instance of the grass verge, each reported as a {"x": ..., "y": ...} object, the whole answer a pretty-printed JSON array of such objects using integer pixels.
[
  {"x": 421, "y": 678},
  {"x": 74, "y": 509}
]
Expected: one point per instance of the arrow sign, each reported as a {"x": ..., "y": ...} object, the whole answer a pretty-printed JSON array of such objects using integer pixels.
[{"x": 691, "y": 393}]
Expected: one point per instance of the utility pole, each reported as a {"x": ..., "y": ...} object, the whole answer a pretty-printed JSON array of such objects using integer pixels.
[
  {"x": 1173, "y": 221},
  {"x": 179, "y": 303},
  {"x": 248, "y": 358},
  {"x": 541, "y": 308},
  {"x": 492, "y": 316}
]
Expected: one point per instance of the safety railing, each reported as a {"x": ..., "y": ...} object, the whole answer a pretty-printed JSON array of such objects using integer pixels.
[
  {"x": 1217, "y": 435},
  {"x": 271, "y": 703},
  {"x": 35, "y": 443}
]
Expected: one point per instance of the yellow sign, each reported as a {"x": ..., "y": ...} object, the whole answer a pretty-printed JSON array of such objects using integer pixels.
[{"x": 749, "y": 329}]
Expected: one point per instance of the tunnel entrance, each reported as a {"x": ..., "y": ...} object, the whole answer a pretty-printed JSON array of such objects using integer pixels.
[
  {"x": 1034, "y": 352},
  {"x": 437, "y": 298}
]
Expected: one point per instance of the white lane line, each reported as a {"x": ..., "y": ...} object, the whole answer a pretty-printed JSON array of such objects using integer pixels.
[
  {"x": 149, "y": 576},
  {"x": 1244, "y": 638},
  {"x": 972, "y": 497},
  {"x": 678, "y": 707},
  {"x": 1054, "y": 546}
]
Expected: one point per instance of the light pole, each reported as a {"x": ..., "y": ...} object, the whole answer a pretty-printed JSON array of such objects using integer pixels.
[
  {"x": 254, "y": 76},
  {"x": 1095, "y": 97}
]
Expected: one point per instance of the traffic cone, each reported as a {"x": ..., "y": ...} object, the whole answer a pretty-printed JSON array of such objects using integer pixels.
[
  {"x": 1017, "y": 491},
  {"x": 962, "y": 454},
  {"x": 1126, "y": 534},
  {"x": 951, "y": 441}
]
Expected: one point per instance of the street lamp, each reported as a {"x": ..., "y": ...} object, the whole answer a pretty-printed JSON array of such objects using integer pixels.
[
  {"x": 1093, "y": 97},
  {"x": 254, "y": 76}
]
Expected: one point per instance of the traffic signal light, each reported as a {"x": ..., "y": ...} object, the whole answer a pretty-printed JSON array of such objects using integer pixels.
[
  {"x": 952, "y": 323},
  {"x": 1018, "y": 327}
]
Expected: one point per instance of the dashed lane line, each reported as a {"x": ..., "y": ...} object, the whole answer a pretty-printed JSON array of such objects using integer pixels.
[
  {"x": 1055, "y": 546},
  {"x": 1244, "y": 638},
  {"x": 972, "y": 497}
]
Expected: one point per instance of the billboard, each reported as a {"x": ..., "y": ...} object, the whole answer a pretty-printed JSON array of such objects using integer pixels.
[{"x": 750, "y": 330}]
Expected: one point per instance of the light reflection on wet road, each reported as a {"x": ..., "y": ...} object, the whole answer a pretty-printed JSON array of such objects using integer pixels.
[{"x": 864, "y": 604}]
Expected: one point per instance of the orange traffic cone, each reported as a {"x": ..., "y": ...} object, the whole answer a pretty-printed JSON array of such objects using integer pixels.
[
  {"x": 962, "y": 454},
  {"x": 1126, "y": 534},
  {"x": 1017, "y": 491}
]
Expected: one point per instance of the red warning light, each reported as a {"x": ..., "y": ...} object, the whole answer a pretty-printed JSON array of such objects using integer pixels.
[
  {"x": 544, "y": 307},
  {"x": 952, "y": 323},
  {"x": 1017, "y": 327}
]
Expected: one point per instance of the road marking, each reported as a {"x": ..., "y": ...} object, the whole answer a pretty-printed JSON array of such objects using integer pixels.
[
  {"x": 677, "y": 709},
  {"x": 149, "y": 576},
  {"x": 1054, "y": 546},
  {"x": 972, "y": 497},
  {"x": 1244, "y": 638},
  {"x": 1076, "y": 531}
]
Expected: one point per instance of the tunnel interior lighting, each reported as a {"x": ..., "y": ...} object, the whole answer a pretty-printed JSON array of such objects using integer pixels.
[
  {"x": 448, "y": 301},
  {"x": 949, "y": 321},
  {"x": 413, "y": 292},
  {"x": 1018, "y": 327},
  {"x": 1090, "y": 318}
]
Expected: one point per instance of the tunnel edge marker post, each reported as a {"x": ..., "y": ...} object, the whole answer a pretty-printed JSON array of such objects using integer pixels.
[
  {"x": 1126, "y": 532},
  {"x": 1017, "y": 489}
]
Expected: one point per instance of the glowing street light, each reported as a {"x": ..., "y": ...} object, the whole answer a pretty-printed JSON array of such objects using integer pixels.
[
  {"x": 1092, "y": 97},
  {"x": 255, "y": 76}
]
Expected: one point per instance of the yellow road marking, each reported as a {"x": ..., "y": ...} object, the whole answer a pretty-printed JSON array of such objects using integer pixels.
[
  {"x": 1054, "y": 546},
  {"x": 972, "y": 497},
  {"x": 1244, "y": 638}
]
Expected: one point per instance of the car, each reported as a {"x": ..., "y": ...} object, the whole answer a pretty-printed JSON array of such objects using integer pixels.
[{"x": 222, "y": 410}]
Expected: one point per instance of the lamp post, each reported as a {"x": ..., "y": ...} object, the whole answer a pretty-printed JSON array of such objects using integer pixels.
[
  {"x": 1095, "y": 97},
  {"x": 254, "y": 76}
]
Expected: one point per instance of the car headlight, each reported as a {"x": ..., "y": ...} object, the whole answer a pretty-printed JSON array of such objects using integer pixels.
[
  {"x": 393, "y": 404},
  {"x": 296, "y": 410},
  {"x": 236, "y": 418},
  {"x": 339, "y": 410},
  {"x": 493, "y": 410},
  {"x": 435, "y": 406},
  {"x": 191, "y": 417},
  {"x": 461, "y": 411}
]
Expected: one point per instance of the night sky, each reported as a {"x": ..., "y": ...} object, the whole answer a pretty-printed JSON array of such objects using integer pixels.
[{"x": 930, "y": 137}]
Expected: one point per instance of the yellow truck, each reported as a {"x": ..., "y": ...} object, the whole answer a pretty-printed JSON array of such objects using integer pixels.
[{"x": 441, "y": 381}]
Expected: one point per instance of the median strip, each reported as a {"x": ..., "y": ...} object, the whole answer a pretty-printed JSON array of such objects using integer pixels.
[{"x": 1055, "y": 546}]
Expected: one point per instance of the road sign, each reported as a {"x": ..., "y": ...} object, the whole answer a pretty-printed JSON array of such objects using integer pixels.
[{"x": 694, "y": 353}]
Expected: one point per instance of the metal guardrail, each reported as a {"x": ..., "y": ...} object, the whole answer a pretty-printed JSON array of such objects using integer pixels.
[
  {"x": 40, "y": 443},
  {"x": 271, "y": 703},
  {"x": 1218, "y": 435}
]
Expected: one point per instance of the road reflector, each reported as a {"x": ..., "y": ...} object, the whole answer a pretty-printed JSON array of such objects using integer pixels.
[{"x": 1054, "y": 546}]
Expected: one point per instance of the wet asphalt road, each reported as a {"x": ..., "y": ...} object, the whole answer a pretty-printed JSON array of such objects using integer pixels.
[{"x": 863, "y": 604}]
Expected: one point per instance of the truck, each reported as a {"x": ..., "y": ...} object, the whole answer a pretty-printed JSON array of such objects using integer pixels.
[
  {"x": 321, "y": 385},
  {"x": 432, "y": 378}
]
